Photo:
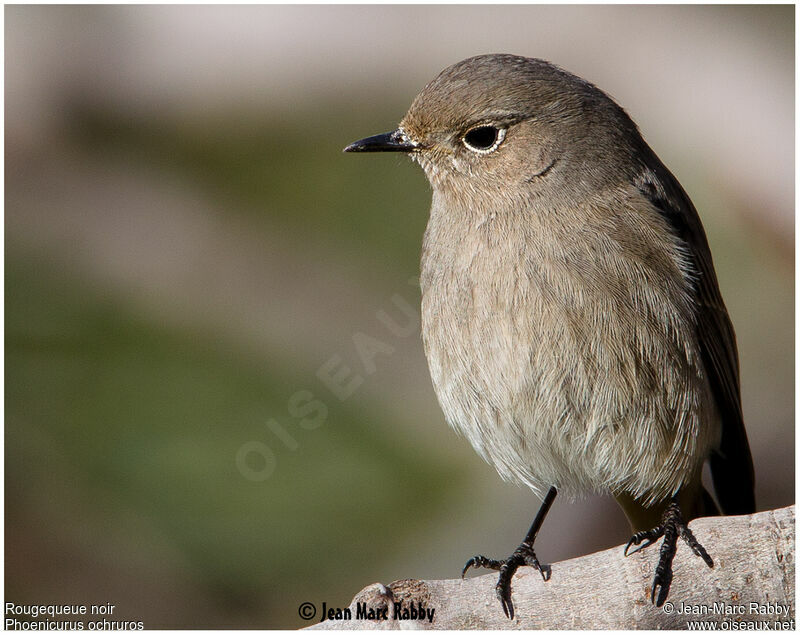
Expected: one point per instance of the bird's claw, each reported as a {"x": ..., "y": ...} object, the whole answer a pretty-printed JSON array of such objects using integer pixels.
[
  {"x": 661, "y": 583},
  {"x": 671, "y": 527},
  {"x": 651, "y": 535},
  {"x": 696, "y": 547},
  {"x": 481, "y": 562},
  {"x": 504, "y": 595},
  {"x": 523, "y": 555}
]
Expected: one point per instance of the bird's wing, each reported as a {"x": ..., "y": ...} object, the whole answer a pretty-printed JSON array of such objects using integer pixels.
[{"x": 731, "y": 464}]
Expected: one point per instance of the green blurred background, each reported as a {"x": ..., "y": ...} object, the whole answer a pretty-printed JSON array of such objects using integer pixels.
[{"x": 187, "y": 251}]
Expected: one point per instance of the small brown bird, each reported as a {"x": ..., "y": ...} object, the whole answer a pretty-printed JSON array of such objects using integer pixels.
[{"x": 571, "y": 315}]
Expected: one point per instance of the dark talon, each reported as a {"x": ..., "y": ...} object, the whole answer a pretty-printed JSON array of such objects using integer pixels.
[
  {"x": 546, "y": 572},
  {"x": 671, "y": 527},
  {"x": 651, "y": 535},
  {"x": 696, "y": 547},
  {"x": 470, "y": 563},
  {"x": 508, "y": 606},
  {"x": 663, "y": 591},
  {"x": 523, "y": 555},
  {"x": 479, "y": 562}
]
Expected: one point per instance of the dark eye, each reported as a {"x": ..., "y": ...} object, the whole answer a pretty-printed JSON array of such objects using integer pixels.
[{"x": 484, "y": 139}]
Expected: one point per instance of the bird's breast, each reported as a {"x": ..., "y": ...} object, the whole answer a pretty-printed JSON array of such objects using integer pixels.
[
  {"x": 541, "y": 340},
  {"x": 484, "y": 305}
]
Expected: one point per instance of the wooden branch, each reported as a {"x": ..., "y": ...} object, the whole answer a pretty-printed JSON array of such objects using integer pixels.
[{"x": 752, "y": 581}]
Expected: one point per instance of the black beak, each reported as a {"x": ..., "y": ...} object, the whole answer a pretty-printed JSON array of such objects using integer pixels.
[{"x": 394, "y": 141}]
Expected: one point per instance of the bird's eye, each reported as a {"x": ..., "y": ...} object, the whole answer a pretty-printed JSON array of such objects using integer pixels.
[{"x": 484, "y": 139}]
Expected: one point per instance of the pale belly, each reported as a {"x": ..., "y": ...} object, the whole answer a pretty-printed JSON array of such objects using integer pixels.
[{"x": 561, "y": 376}]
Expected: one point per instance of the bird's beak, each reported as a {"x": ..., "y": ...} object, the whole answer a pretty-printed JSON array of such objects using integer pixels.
[{"x": 395, "y": 141}]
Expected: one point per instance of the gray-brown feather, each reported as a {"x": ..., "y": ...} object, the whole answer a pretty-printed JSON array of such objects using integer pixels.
[
  {"x": 564, "y": 316},
  {"x": 564, "y": 358}
]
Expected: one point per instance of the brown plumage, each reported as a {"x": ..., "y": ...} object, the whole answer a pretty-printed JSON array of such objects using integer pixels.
[{"x": 571, "y": 315}]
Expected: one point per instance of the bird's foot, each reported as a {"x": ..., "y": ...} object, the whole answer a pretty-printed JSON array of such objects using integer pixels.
[
  {"x": 523, "y": 555},
  {"x": 671, "y": 527}
]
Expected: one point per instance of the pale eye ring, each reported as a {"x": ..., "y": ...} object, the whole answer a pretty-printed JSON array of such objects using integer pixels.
[{"x": 483, "y": 139}]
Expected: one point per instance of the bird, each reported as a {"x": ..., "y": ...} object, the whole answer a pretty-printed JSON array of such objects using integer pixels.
[{"x": 572, "y": 319}]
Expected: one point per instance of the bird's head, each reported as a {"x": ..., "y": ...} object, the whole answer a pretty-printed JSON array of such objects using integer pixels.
[{"x": 503, "y": 123}]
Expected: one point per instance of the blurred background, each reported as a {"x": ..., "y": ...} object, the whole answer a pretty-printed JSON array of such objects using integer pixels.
[{"x": 192, "y": 267}]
